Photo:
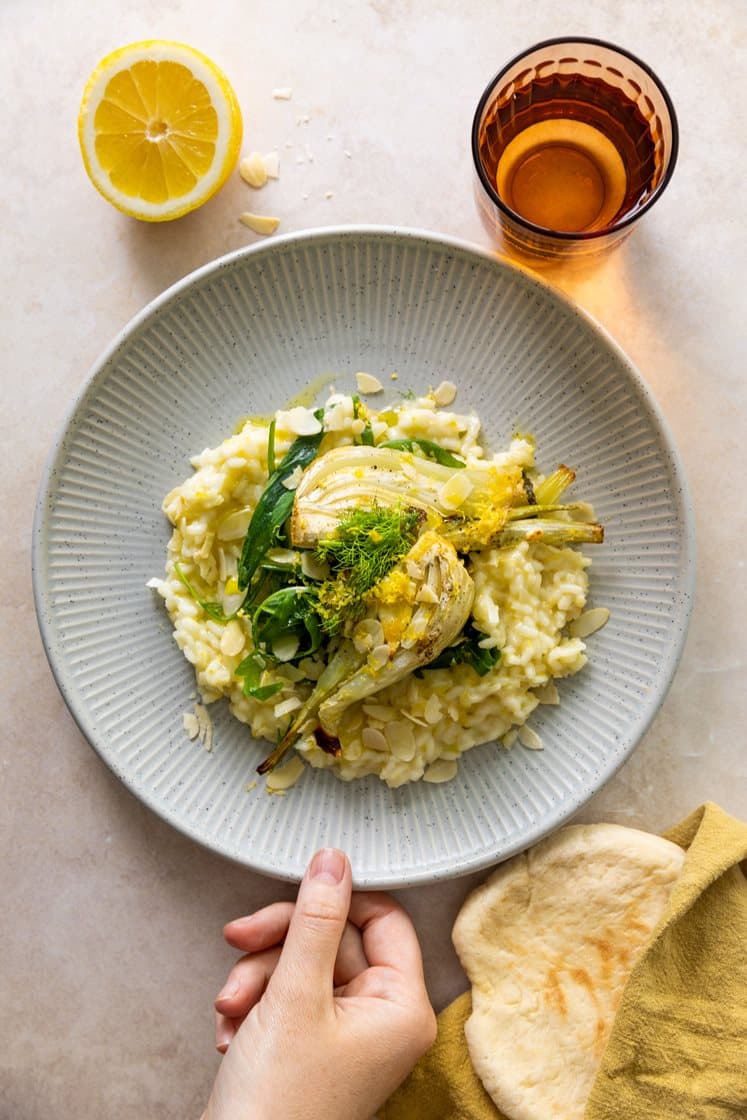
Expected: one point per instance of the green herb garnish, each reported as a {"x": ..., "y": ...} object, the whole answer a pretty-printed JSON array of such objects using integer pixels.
[
  {"x": 212, "y": 609},
  {"x": 271, "y": 448},
  {"x": 366, "y": 546},
  {"x": 251, "y": 670}
]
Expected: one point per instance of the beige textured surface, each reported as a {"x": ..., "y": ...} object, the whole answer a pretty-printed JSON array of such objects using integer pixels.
[
  {"x": 548, "y": 944},
  {"x": 110, "y": 920}
]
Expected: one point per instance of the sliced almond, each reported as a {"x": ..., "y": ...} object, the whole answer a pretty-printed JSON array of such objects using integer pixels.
[
  {"x": 299, "y": 421},
  {"x": 283, "y": 93},
  {"x": 378, "y": 711},
  {"x": 287, "y": 776},
  {"x": 530, "y": 739},
  {"x": 548, "y": 693},
  {"x": 378, "y": 657},
  {"x": 426, "y": 594},
  {"x": 260, "y": 223},
  {"x": 285, "y": 707},
  {"x": 285, "y": 647},
  {"x": 292, "y": 480},
  {"x": 442, "y": 770},
  {"x": 191, "y": 726},
  {"x": 232, "y": 639},
  {"x": 455, "y": 491},
  {"x": 367, "y": 383},
  {"x": 373, "y": 740},
  {"x": 432, "y": 711},
  {"x": 253, "y": 170},
  {"x": 401, "y": 738},
  {"x": 589, "y": 622},
  {"x": 271, "y": 161},
  {"x": 367, "y": 634},
  {"x": 445, "y": 393},
  {"x": 234, "y": 525},
  {"x": 205, "y": 725}
]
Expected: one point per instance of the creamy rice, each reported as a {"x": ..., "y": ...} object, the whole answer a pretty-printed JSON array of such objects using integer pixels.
[{"x": 526, "y": 595}]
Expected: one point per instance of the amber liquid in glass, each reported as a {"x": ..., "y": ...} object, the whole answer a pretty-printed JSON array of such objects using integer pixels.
[{"x": 569, "y": 152}]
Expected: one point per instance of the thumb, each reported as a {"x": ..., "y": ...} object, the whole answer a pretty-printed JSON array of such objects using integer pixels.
[{"x": 307, "y": 962}]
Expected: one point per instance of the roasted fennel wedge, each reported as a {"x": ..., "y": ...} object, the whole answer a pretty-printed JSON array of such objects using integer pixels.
[
  {"x": 412, "y": 614},
  {"x": 474, "y": 507}
]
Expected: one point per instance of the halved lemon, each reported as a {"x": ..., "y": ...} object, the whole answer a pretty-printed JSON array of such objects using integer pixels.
[{"x": 159, "y": 128}]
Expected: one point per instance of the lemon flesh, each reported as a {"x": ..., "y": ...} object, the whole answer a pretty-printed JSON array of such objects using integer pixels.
[{"x": 160, "y": 129}]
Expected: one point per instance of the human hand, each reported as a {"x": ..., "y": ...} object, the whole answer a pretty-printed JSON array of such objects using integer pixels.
[{"x": 327, "y": 1012}]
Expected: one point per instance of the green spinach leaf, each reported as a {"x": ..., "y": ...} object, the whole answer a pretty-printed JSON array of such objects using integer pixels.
[
  {"x": 275, "y": 504},
  {"x": 251, "y": 670},
  {"x": 430, "y": 449}
]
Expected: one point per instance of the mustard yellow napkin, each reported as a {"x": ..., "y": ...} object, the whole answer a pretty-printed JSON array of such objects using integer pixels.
[{"x": 678, "y": 1047}]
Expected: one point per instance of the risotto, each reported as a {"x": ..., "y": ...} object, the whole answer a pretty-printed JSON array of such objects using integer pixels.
[{"x": 456, "y": 637}]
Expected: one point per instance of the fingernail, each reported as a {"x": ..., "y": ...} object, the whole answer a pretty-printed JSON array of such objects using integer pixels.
[
  {"x": 328, "y": 866},
  {"x": 230, "y": 990},
  {"x": 222, "y": 1042}
]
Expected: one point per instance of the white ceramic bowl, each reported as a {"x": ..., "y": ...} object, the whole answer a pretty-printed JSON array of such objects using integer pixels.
[{"x": 244, "y": 334}]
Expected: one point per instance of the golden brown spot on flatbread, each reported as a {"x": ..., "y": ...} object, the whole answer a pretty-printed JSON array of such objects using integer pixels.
[
  {"x": 581, "y": 976},
  {"x": 611, "y": 953},
  {"x": 633, "y": 919},
  {"x": 600, "y": 1036},
  {"x": 553, "y": 993}
]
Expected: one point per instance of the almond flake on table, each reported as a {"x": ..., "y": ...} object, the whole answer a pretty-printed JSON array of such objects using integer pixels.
[
  {"x": 253, "y": 170},
  {"x": 260, "y": 223},
  {"x": 272, "y": 165},
  {"x": 283, "y": 93}
]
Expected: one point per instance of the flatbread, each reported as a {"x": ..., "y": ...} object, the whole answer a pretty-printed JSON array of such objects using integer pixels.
[{"x": 548, "y": 943}]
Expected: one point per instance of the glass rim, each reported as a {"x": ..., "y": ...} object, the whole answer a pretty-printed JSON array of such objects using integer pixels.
[{"x": 547, "y": 231}]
